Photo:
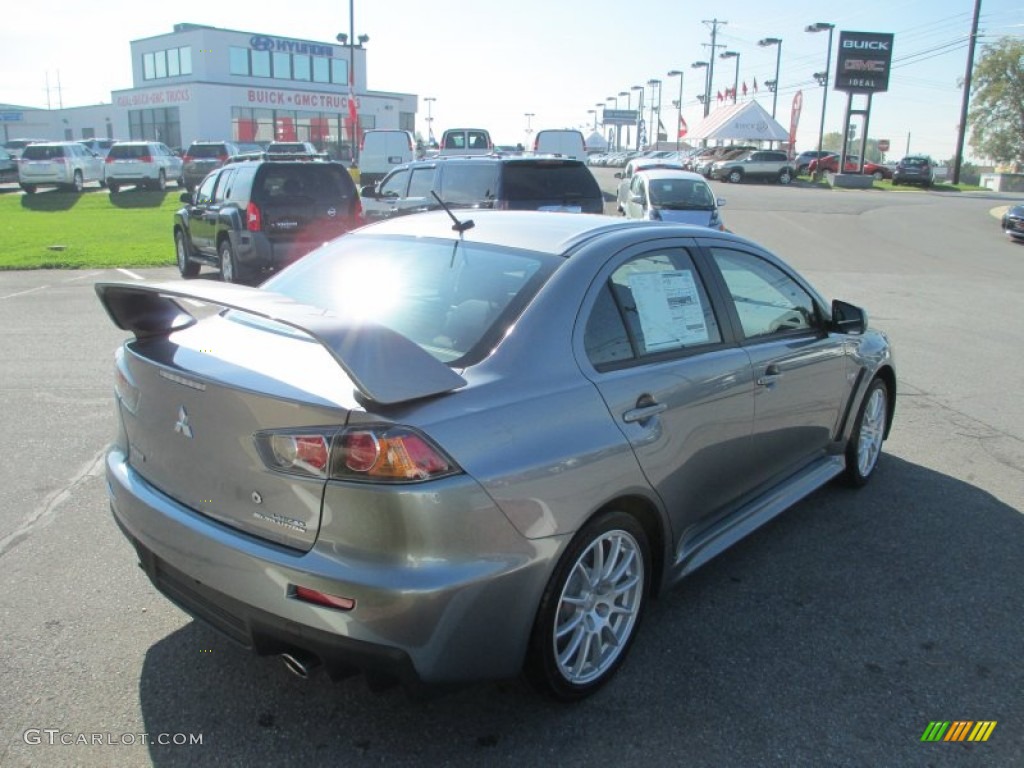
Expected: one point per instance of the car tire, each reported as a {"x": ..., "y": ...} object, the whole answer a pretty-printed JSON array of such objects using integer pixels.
[
  {"x": 183, "y": 252},
  {"x": 785, "y": 176},
  {"x": 734, "y": 176},
  {"x": 30, "y": 189},
  {"x": 228, "y": 262},
  {"x": 113, "y": 186},
  {"x": 161, "y": 182},
  {"x": 878, "y": 175},
  {"x": 865, "y": 444},
  {"x": 77, "y": 184},
  {"x": 583, "y": 630}
]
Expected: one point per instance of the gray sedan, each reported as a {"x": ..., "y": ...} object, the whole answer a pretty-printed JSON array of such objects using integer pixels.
[{"x": 442, "y": 454}]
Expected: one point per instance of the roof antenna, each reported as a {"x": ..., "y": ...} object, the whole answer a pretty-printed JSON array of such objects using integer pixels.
[{"x": 458, "y": 226}]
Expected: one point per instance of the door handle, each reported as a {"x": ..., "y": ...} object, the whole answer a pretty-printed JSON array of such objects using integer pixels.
[
  {"x": 771, "y": 375},
  {"x": 643, "y": 412}
]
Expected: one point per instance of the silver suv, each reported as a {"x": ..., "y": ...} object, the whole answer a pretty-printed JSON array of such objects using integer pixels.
[
  {"x": 148, "y": 164},
  {"x": 64, "y": 164},
  {"x": 763, "y": 164}
]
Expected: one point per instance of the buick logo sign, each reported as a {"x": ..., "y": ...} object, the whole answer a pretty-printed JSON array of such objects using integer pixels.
[{"x": 261, "y": 43}]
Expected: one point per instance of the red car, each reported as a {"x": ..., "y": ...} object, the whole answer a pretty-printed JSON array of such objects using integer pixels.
[{"x": 830, "y": 163}]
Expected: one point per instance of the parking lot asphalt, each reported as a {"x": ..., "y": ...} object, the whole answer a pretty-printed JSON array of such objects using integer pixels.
[{"x": 833, "y": 636}]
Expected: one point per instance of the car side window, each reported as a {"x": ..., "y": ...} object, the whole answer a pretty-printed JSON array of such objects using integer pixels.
[
  {"x": 394, "y": 185},
  {"x": 224, "y": 185},
  {"x": 662, "y": 307},
  {"x": 421, "y": 182},
  {"x": 767, "y": 300},
  {"x": 204, "y": 195}
]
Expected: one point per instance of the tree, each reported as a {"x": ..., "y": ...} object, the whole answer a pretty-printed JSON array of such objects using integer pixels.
[{"x": 996, "y": 116}]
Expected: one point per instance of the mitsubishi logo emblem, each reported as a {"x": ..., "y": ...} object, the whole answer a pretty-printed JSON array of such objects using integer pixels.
[{"x": 181, "y": 425}]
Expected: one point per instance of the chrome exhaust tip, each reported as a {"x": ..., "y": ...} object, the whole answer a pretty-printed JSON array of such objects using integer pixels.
[{"x": 299, "y": 664}]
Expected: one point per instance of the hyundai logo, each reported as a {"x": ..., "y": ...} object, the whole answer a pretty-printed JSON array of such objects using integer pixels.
[{"x": 261, "y": 43}]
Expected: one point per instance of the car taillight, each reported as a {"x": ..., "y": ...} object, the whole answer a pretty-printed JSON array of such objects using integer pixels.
[
  {"x": 253, "y": 218},
  {"x": 222, "y": 159},
  {"x": 146, "y": 159},
  {"x": 109, "y": 159},
  {"x": 389, "y": 454},
  {"x": 357, "y": 211},
  {"x": 186, "y": 159},
  {"x": 372, "y": 454},
  {"x": 127, "y": 393}
]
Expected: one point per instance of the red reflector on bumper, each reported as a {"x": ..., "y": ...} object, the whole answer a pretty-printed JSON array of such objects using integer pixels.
[{"x": 321, "y": 598}]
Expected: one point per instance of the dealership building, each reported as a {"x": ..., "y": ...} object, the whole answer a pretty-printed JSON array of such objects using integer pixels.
[{"x": 200, "y": 82}]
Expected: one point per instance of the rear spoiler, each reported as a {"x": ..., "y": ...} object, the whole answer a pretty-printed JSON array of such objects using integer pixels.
[{"x": 385, "y": 366}]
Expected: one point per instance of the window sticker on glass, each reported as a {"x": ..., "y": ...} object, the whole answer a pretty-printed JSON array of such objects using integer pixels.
[{"x": 669, "y": 309}]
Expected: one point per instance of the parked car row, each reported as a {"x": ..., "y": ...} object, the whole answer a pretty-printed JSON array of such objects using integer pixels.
[{"x": 71, "y": 165}]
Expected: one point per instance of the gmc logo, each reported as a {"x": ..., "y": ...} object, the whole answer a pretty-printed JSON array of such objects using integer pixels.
[
  {"x": 871, "y": 45},
  {"x": 862, "y": 65}
]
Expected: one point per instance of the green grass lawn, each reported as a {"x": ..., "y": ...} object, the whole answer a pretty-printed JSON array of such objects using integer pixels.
[{"x": 55, "y": 229}]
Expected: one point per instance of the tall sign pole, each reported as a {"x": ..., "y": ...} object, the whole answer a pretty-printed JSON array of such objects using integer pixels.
[{"x": 962, "y": 128}]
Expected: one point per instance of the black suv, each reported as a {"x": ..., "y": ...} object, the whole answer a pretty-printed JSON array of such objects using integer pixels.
[
  {"x": 201, "y": 157},
  {"x": 504, "y": 183},
  {"x": 255, "y": 215}
]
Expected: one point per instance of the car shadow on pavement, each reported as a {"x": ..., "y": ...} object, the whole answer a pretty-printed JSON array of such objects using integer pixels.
[
  {"x": 137, "y": 197},
  {"x": 832, "y": 636},
  {"x": 46, "y": 200}
]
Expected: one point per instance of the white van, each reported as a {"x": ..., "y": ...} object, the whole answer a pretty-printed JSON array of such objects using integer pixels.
[
  {"x": 564, "y": 142},
  {"x": 382, "y": 149},
  {"x": 466, "y": 141}
]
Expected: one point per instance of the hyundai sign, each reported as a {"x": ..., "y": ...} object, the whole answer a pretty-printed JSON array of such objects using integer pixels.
[
  {"x": 864, "y": 62},
  {"x": 267, "y": 43}
]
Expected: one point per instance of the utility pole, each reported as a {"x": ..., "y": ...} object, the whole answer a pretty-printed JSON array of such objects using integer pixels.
[
  {"x": 962, "y": 128},
  {"x": 711, "y": 61}
]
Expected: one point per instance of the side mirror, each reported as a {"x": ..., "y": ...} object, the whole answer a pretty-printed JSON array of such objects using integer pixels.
[
  {"x": 720, "y": 201},
  {"x": 847, "y": 318},
  {"x": 369, "y": 190},
  {"x": 185, "y": 197},
  {"x": 636, "y": 198},
  {"x": 618, "y": 174}
]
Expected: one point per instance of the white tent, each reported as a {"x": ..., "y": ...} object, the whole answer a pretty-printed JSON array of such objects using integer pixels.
[
  {"x": 745, "y": 121},
  {"x": 596, "y": 141}
]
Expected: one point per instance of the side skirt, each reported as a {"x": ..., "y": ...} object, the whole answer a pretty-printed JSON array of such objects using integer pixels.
[{"x": 694, "y": 551}]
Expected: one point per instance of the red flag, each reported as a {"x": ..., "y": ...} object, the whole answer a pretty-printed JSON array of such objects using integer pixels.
[
  {"x": 744, "y": 87},
  {"x": 682, "y": 127},
  {"x": 353, "y": 112}
]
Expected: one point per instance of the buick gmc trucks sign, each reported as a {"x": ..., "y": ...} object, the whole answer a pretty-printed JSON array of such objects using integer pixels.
[{"x": 864, "y": 62}]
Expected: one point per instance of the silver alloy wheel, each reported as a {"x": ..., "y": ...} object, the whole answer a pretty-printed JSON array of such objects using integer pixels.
[
  {"x": 598, "y": 607},
  {"x": 227, "y": 263},
  {"x": 872, "y": 430}
]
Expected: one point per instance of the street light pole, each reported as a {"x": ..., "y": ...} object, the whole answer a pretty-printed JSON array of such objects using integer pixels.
[
  {"x": 679, "y": 104},
  {"x": 655, "y": 110},
  {"x": 529, "y": 130},
  {"x": 765, "y": 43},
  {"x": 430, "y": 120},
  {"x": 707, "y": 85},
  {"x": 594, "y": 113},
  {"x": 640, "y": 113},
  {"x": 821, "y": 26},
  {"x": 736, "y": 80}
]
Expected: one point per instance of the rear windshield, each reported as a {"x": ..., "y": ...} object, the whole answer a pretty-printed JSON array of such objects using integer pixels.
[
  {"x": 294, "y": 182},
  {"x": 42, "y": 152},
  {"x": 470, "y": 183},
  {"x": 915, "y": 162},
  {"x": 129, "y": 151},
  {"x": 453, "y": 299},
  {"x": 549, "y": 181},
  {"x": 207, "y": 150}
]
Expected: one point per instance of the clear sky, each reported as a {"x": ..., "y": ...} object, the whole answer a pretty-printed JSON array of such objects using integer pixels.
[{"x": 488, "y": 63}]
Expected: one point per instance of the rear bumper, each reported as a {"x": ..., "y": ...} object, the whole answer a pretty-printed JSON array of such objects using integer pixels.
[{"x": 417, "y": 619}]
